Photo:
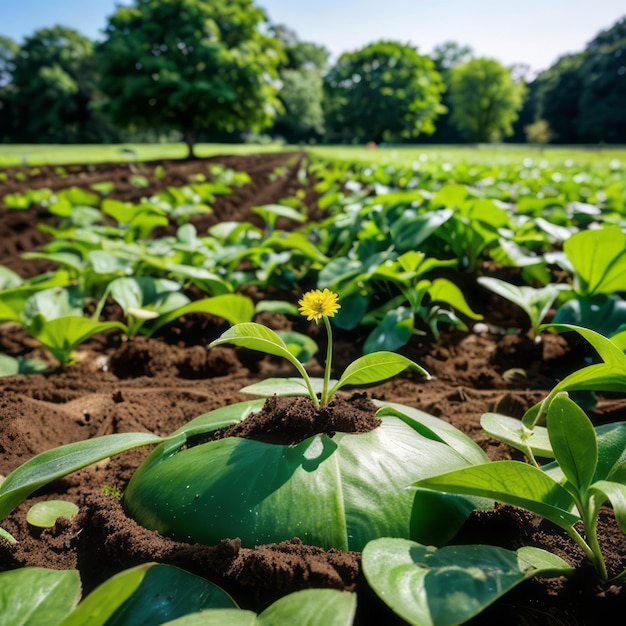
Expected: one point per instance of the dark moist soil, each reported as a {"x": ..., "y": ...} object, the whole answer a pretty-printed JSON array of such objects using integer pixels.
[{"x": 157, "y": 384}]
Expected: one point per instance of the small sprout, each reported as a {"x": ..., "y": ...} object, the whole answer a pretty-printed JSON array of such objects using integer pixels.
[
  {"x": 316, "y": 305},
  {"x": 116, "y": 492}
]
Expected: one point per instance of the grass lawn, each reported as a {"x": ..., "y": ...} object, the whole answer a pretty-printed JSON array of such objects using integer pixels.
[{"x": 494, "y": 154}]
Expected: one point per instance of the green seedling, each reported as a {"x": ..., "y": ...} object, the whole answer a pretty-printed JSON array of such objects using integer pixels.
[
  {"x": 535, "y": 302},
  {"x": 609, "y": 375},
  {"x": 316, "y": 305},
  {"x": 588, "y": 472},
  {"x": 62, "y": 335},
  {"x": 151, "y": 303}
]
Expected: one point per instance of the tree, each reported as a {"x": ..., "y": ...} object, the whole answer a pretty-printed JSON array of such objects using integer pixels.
[
  {"x": 384, "y": 91},
  {"x": 558, "y": 92},
  {"x": 446, "y": 57},
  {"x": 51, "y": 87},
  {"x": 189, "y": 65},
  {"x": 485, "y": 99},
  {"x": 602, "y": 103},
  {"x": 8, "y": 51},
  {"x": 302, "y": 92}
]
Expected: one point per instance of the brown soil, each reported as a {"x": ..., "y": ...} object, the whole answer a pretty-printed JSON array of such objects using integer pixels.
[{"x": 157, "y": 384}]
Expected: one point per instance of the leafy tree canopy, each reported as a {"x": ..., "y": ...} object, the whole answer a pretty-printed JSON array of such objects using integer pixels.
[
  {"x": 301, "y": 93},
  {"x": 300, "y": 54},
  {"x": 8, "y": 51},
  {"x": 52, "y": 84},
  {"x": 485, "y": 99},
  {"x": 190, "y": 65},
  {"x": 383, "y": 91},
  {"x": 603, "y": 96}
]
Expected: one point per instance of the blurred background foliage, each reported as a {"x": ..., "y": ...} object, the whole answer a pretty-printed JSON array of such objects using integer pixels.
[{"x": 218, "y": 71}]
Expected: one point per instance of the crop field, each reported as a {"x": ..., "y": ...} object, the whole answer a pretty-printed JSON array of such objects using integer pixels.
[{"x": 357, "y": 386}]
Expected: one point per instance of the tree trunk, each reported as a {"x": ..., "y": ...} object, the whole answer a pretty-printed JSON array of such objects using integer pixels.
[{"x": 190, "y": 140}]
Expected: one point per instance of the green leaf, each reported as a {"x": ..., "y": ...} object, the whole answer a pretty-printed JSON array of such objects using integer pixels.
[
  {"x": 604, "y": 314},
  {"x": 217, "y": 617},
  {"x": 448, "y": 586},
  {"x": 34, "y": 595},
  {"x": 52, "y": 464},
  {"x": 338, "y": 492},
  {"x": 445, "y": 291},
  {"x": 100, "y": 604},
  {"x": 218, "y": 418},
  {"x": 611, "y": 452},
  {"x": 9, "y": 366},
  {"x": 45, "y": 514},
  {"x": 534, "y": 302},
  {"x": 616, "y": 494},
  {"x": 434, "y": 428},
  {"x": 573, "y": 440},
  {"x": 510, "y": 482},
  {"x": 232, "y": 307},
  {"x": 373, "y": 368},
  {"x": 164, "y": 593},
  {"x": 609, "y": 352},
  {"x": 257, "y": 337},
  {"x": 271, "y": 212},
  {"x": 512, "y": 431},
  {"x": 284, "y": 387},
  {"x": 599, "y": 259},
  {"x": 62, "y": 334},
  {"x": 393, "y": 331},
  {"x": 313, "y": 607}
]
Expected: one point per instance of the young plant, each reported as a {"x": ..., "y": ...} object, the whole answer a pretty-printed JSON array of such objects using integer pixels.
[
  {"x": 317, "y": 305},
  {"x": 534, "y": 302},
  {"x": 609, "y": 375},
  {"x": 588, "y": 471}
]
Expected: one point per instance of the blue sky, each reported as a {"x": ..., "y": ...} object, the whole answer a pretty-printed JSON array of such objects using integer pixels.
[{"x": 535, "y": 32}]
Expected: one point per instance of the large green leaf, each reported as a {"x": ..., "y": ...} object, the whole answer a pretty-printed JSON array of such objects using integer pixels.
[
  {"x": 338, "y": 492},
  {"x": 434, "y": 428},
  {"x": 599, "y": 259},
  {"x": 52, "y": 464},
  {"x": 510, "y": 482},
  {"x": 447, "y": 586},
  {"x": 34, "y": 595}
]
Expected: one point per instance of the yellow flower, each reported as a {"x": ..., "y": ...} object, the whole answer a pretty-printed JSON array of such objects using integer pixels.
[{"x": 316, "y": 304}]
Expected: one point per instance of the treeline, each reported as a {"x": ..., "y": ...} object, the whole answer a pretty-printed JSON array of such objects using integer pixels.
[{"x": 211, "y": 70}]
